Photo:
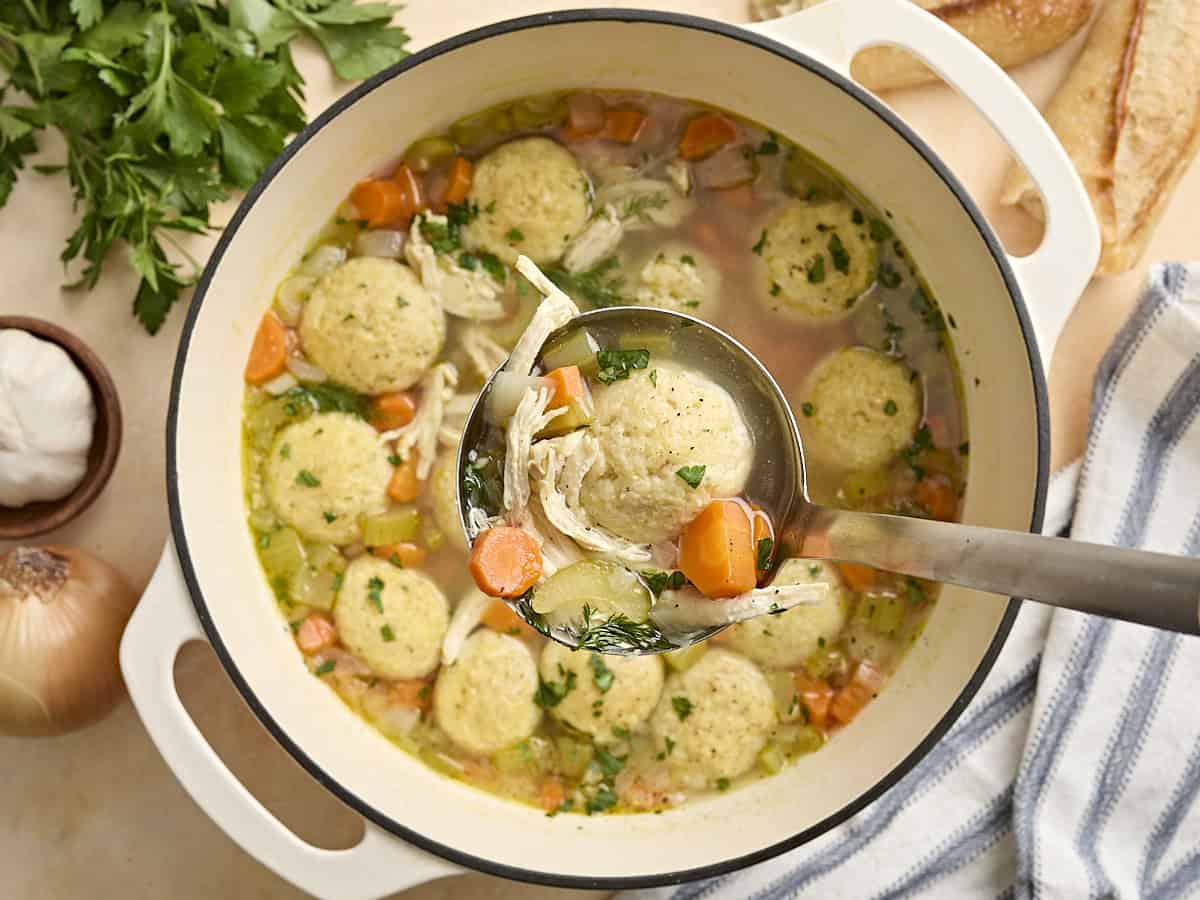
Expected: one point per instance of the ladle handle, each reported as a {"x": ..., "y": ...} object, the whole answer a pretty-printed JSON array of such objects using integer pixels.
[{"x": 1155, "y": 589}]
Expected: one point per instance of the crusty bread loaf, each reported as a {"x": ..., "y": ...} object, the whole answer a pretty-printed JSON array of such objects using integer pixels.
[
  {"x": 1009, "y": 31},
  {"x": 1129, "y": 116}
]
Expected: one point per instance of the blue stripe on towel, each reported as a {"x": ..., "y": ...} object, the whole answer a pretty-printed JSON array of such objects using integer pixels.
[
  {"x": 988, "y": 716},
  {"x": 1121, "y": 755},
  {"x": 970, "y": 841},
  {"x": 1164, "y": 831}
]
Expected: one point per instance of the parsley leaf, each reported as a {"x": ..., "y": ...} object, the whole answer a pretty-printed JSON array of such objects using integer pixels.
[
  {"x": 683, "y": 707},
  {"x": 601, "y": 673},
  {"x": 551, "y": 693},
  {"x": 616, "y": 365},
  {"x": 307, "y": 479},
  {"x": 838, "y": 253},
  {"x": 601, "y": 801},
  {"x": 693, "y": 475},
  {"x": 608, "y": 764},
  {"x": 593, "y": 285}
]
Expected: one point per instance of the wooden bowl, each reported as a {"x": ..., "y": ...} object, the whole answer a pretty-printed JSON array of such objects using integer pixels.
[{"x": 38, "y": 518}]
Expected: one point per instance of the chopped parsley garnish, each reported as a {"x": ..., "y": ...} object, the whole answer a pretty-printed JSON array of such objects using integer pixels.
[
  {"x": 880, "y": 230},
  {"x": 890, "y": 408},
  {"x": 601, "y": 801},
  {"x": 964, "y": 448},
  {"x": 325, "y": 668},
  {"x": 396, "y": 561},
  {"x": 916, "y": 594},
  {"x": 808, "y": 409},
  {"x": 607, "y": 763},
  {"x": 837, "y": 252},
  {"x": 441, "y": 236},
  {"x": 375, "y": 593},
  {"x": 765, "y": 548},
  {"x": 593, "y": 285},
  {"x": 888, "y": 276},
  {"x": 616, "y": 365},
  {"x": 387, "y": 634},
  {"x": 514, "y": 235},
  {"x": 921, "y": 442},
  {"x": 775, "y": 289},
  {"x": 687, "y": 259},
  {"x": 769, "y": 147},
  {"x": 814, "y": 571},
  {"x": 468, "y": 261},
  {"x": 394, "y": 459},
  {"x": 327, "y": 397},
  {"x": 601, "y": 673},
  {"x": 329, "y": 517},
  {"x": 460, "y": 214},
  {"x": 264, "y": 541},
  {"x": 682, "y": 706},
  {"x": 307, "y": 479},
  {"x": 816, "y": 270},
  {"x": 722, "y": 784},
  {"x": 928, "y": 311},
  {"x": 338, "y": 579},
  {"x": 660, "y": 581},
  {"x": 639, "y": 207},
  {"x": 401, "y": 302},
  {"x": 551, "y": 693},
  {"x": 857, "y": 217},
  {"x": 692, "y": 475},
  {"x": 285, "y": 452},
  {"x": 757, "y": 249},
  {"x": 492, "y": 265},
  {"x": 620, "y": 731},
  {"x": 565, "y": 806},
  {"x": 654, "y": 377},
  {"x": 490, "y": 208}
]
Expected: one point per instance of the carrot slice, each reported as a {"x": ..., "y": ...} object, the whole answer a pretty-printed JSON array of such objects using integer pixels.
[
  {"x": 567, "y": 386},
  {"x": 394, "y": 410},
  {"x": 412, "y": 693},
  {"x": 268, "y": 354},
  {"x": 405, "y": 554},
  {"x": 380, "y": 201},
  {"x": 405, "y": 486},
  {"x": 816, "y": 696},
  {"x": 857, "y": 578},
  {"x": 315, "y": 634},
  {"x": 706, "y": 134},
  {"x": 460, "y": 180},
  {"x": 505, "y": 562},
  {"x": 937, "y": 497},
  {"x": 716, "y": 551},
  {"x": 500, "y": 617},
  {"x": 551, "y": 794},
  {"x": 863, "y": 686},
  {"x": 623, "y": 125}
]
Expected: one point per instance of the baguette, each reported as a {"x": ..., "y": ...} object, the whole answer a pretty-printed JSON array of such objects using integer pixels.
[
  {"x": 1009, "y": 31},
  {"x": 1129, "y": 117}
]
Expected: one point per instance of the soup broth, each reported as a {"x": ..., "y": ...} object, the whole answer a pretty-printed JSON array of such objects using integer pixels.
[{"x": 379, "y": 341}]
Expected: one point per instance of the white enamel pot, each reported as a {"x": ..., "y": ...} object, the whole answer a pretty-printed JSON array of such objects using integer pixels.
[{"x": 790, "y": 75}]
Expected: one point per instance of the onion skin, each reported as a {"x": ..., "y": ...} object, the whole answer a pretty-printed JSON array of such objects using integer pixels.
[{"x": 62, "y": 614}]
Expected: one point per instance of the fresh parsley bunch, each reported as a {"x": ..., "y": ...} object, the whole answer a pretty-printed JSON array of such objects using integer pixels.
[{"x": 165, "y": 106}]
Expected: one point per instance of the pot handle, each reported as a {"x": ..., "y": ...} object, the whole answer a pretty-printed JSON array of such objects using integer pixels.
[
  {"x": 162, "y": 623},
  {"x": 1054, "y": 275}
]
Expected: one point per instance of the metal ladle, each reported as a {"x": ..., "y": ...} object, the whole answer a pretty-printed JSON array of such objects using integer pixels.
[{"x": 1156, "y": 589}]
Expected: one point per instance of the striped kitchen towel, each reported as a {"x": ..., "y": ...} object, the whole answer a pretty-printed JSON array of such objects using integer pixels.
[{"x": 1075, "y": 771}]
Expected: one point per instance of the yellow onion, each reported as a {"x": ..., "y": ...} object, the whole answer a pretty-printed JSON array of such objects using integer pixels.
[{"x": 62, "y": 612}]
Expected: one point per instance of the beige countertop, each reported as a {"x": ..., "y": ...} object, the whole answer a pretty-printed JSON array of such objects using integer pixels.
[{"x": 98, "y": 813}]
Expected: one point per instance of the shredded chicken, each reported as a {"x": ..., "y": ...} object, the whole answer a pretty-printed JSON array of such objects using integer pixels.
[
  {"x": 423, "y": 432},
  {"x": 466, "y": 617},
  {"x": 559, "y": 466},
  {"x": 556, "y": 310},
  {"x": 599, "y": 239},
  {"x": 530, "y": 418},
  {"x": 688, "y": 608},
  {"x": 482, "y": 350},
  {"x": 478, "y": 521},
  {"x": 558, "y": 550},
  {"x": 466, "y": 293}
]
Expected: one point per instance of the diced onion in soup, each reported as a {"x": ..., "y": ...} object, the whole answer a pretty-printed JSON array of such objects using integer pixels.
[
  {"x": 291, "y": 297},
  {"x": 507, "y": 391},
  {"x": 306, "y": 371},
  {"x": 280, "y": 384},
  {"x": 380, "y": 242},
  {"x": 726, "y": 168},
  {"x": 324, "y": 259}
]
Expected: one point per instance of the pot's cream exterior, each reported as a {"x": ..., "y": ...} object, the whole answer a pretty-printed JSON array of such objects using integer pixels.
[{"x": 1002, "y": 398}]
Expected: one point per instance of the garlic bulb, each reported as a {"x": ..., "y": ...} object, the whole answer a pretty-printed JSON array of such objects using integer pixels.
[
  {"x": 62, "y": 613},
  {"x": 47, "y": 414}
]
